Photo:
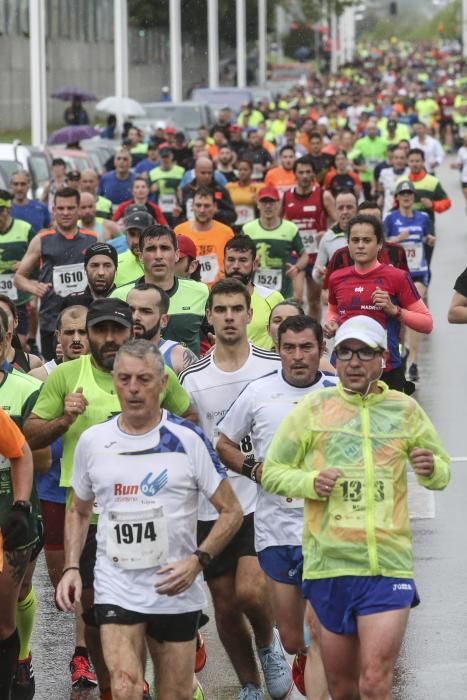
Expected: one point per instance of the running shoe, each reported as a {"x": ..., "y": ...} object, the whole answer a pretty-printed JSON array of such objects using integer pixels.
[
  {"x": 251, "y": 692},
  {"x": 200, "y": 661},
  {"x": 82, "y": 672},
  {"x": 413, "y": 373},
  {"x": 146, "y": 692},
  {"x": 298, "y": 672},
  {"x": 199, "y": 692},
  {"x": 24, "y": 685},
  {"x": 276, "y": 669}
]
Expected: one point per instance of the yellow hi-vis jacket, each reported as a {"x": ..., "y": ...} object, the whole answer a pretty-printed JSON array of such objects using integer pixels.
[{"x": 362, "y": 528}]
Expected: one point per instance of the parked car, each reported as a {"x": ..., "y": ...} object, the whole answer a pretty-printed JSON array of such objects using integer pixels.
[
  {"x": 17, "y": 156},
  {"x": 219, "y": 97},
  {"x": 100, "y": 150},
  {"x": 184, "y": 116},
  {"x": 75, "y": 158}
]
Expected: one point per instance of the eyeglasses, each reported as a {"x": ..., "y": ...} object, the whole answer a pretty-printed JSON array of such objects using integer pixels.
[{"x": 363, "y": 354}]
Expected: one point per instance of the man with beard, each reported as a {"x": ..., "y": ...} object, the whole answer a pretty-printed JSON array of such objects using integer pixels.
[
  {"x": 149, "y": 306},
  {"x": 59, "y": 252},
  {"x": 240, "y": 263},
  {"x": 78, "y": 395},
  {"x": 100, "y": 265}
]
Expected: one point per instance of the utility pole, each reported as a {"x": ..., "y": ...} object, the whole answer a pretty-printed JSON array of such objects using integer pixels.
[
  {"x": 213, "y": 43},
  {"x": 262, "y": 37},
  {"x": 38, "y": 72},
  {"x": 241, "y": 42},
  {"x": 175, "y": 50}
]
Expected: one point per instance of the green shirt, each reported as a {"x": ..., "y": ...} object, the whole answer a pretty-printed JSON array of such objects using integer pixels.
[
  {"x": 373, "y": 151},
  {"x": 274, "y": 248},
  {"x": 263, "y": 300},
  {"x": 129, "y": 268},
  {"x": 100, "y": 392},
  {"x": 186, "y": 311},
  {"x": 104, "y": 207},
  {"x": 18, "y": 394},
  {"x": 13, "y": 246}
]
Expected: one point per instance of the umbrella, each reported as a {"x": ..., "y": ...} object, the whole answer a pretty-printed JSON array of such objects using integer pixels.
[
  {"x": 123, "y": 106},
  {"x": 67, "y": 93},
  {"x": 72, "y": 134}
]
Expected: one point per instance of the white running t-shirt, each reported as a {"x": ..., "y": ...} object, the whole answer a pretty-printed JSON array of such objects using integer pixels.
[
  {"x": 212, "y": 392},
  {"x": 147, "y": 487},
  {"x": 259, "y": 410}
]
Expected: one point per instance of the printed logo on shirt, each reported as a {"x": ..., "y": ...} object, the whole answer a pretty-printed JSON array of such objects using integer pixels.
[{"x": 358, "y": 289}]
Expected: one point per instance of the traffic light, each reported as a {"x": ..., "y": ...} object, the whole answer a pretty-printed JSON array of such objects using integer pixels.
[{"x": 393, "y": 8}]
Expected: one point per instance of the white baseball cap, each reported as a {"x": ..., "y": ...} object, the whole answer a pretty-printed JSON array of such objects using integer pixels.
[{"x": 365, "y": 329}]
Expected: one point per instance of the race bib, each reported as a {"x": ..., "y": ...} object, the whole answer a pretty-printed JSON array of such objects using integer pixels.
[
  {"x": 7, "y": 287},
  {"x": 244, "y": 214},
  {"x": 414, "y": 253},
  {"x": 209, "y": 266},
  {"x": 309, "y": 241},
  {"x": 68, "y": 279},
  {"x": 167, "y": 202},
  {"x": 347, "y": 503},
  {"x": 189, "y": 210},
  {"x": 292, "y": 502},
  {"x": 269, "y": 278},
  {"x": 137, "y": 539}
]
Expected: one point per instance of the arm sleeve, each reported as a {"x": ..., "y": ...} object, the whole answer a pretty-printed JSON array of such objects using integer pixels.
[
  {"x": 176, "y": 399},
  {"x": 460, "y": 285},
  {"x": 425, "y": 436},
  {"x": 283, "y": 468},
  {"x": 418, "y": 317},
  {"x": 441, "y": 201}
]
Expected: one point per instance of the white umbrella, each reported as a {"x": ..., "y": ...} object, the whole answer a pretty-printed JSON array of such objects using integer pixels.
[{"x": 121, "y": 106}]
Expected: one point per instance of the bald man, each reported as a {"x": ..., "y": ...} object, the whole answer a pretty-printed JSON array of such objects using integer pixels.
[
  {"x": 204, "y": 177},
  {"x": 104, "y": 228}
]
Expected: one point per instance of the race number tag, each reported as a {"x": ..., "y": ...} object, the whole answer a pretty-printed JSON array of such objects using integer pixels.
[
  {"x": 167, "y": 202},
  {"x": 209, "y": 266},
  {"x": 137, "y": 539},
  {"x": 292, "y": 502},
  {"x": 245, "y": 214},
  {"x": 7, "y": 287},
  {"x": 309, "y": 242},
  {"x": 414, "y": 253},
  {"x": 68, "y": 279},
  {"x": 189, "y": 210},
  {"x": 348, "y": 503},
  {"x": 269, "y": 278}
]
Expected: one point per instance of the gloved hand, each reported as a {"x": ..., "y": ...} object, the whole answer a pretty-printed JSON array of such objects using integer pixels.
[{"x": 15, "y": 529}]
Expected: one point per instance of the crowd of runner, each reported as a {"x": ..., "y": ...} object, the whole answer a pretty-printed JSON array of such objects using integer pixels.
[{"x": 166, "y": 335}]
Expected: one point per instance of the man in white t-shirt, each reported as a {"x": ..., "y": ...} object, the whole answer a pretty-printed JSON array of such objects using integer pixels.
[
  {"x": 147, "y": 583},
  {"x": 237, "y": 584},
  {"x": 258, "y": 411}
]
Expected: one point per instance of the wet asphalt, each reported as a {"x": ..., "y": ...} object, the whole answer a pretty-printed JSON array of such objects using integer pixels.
[{"x": 433, "y": 662}]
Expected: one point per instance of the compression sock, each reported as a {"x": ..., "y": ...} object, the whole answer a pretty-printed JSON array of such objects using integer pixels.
[
  {"x": 25, "y": 614},
  {"x": 9, "y": 649}
]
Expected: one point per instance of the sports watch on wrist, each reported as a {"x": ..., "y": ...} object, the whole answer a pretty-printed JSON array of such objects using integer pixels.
[{"x": 203, "y": 557}]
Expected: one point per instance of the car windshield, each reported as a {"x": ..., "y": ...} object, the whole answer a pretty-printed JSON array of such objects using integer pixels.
[
  {"x": 189, "y": 117},
  {"x": 10, "y": 167}
]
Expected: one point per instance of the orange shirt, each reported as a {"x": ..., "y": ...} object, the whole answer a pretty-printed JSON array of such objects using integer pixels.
[
  {"x": 280, "y": 178},
  {"x": 11, "y": 438},
  {"x": 209, "y": 248}
]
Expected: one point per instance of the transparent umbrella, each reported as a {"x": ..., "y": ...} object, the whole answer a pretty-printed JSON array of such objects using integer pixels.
[{"x": 121, "y": 106}]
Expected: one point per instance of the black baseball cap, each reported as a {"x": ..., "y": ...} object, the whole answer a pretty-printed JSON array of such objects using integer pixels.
[
  {"x": 115, "y": 310},
  {"x": 101, "y": 248},
  {"x": 134, "y": 208},
  {"x": 139, "y": 220}
]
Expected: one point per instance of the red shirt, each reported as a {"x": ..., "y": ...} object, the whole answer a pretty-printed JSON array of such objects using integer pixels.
[
  {"x": 351, "y": 292},
  {"x": 308, "y": 214}
]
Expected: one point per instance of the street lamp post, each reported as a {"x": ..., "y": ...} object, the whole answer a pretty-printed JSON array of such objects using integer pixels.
[
  {"x": 213, "y": 43},
  {"x": 38, "y": 72},
  {"x": 241, "y": 42},
  {"x": 262, "y": 14},
  {"x": 175, "y": 50}
]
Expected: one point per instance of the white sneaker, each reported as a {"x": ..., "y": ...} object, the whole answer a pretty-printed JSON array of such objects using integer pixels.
[
  {"x": 251, "y": 692},
  {"x": 276, "y": 669}
]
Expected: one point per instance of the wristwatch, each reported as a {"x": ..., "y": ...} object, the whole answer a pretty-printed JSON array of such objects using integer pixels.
[
  {"x": 204, "y": 558},
  {"x": 23, "y": 505}
]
